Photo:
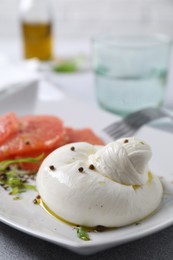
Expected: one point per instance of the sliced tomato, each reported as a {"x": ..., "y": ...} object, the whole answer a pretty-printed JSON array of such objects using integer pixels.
[
  {"x": 31, "y": 136},
  {"x": 83, "y": 135},
  {"x": 33, "y": 167},
  {"x": 8, "y": 126},
  {"x": 35, "y": 135}
]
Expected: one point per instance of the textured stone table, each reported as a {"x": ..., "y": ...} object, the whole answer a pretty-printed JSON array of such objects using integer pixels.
[{"x": 15, "y": 245}]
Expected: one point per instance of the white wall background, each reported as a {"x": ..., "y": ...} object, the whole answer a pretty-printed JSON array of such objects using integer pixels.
[{"x": 84, "y": 18}]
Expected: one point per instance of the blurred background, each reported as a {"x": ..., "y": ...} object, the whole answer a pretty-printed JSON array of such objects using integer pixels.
[
  {"x": 85, "y": 18},
  {"x": 74, "y": 23},
  {"x": 81, "y": 19}
]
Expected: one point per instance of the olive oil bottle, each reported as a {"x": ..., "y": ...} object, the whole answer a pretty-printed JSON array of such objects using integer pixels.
[{"x": 36, "y": 25}]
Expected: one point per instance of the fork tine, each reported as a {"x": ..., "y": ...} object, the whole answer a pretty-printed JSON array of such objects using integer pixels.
[
  {"x": 117, "y": 125},
  {"x": 126, "y": 128},
  {"x": 124, "y": 123},
  {"x": 131, "y": 123},
  {"x": 125, "y": 133},
  {"x": 130, "y": 119},
  {"x": 118, "y": 128}
]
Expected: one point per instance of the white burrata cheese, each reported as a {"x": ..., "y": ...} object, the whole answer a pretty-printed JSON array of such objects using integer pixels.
[{"x": 100, "y": 185}]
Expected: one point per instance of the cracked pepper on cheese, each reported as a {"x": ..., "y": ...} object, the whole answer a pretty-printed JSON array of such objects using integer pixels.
[{"x": 92, "y": 185}]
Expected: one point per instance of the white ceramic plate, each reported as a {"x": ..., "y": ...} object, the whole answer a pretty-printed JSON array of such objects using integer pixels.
[{"x": 32, "y": 219}]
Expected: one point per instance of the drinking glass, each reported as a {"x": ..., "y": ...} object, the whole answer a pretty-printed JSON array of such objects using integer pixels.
[{"x": 130, "y": 71}]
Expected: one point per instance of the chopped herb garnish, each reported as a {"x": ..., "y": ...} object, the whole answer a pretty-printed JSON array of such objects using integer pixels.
[
  {"x": 29, "y": 187},
  {"x": 5, "y": 164},
  {"x": 14, "y": 179},
  {"x": 14, "y": 191},
  {"x": 71, "y": 64},
  {"x": 68, "y": 66},
  {"x": 141, "y": 142},
  {"x": 17, "y": 198},
  {"x": 82, "y": 234}
]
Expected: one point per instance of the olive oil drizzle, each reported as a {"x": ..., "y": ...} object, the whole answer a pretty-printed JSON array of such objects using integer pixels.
[
  {"x": 88, "y": 229},
  {"x": 50, "y": 212}
]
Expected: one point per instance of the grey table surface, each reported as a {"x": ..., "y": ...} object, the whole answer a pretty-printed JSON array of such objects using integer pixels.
[{"x": 15, "y": 245}]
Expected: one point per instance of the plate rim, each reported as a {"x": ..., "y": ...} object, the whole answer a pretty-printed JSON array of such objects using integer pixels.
[{"x": 90, "y": 244}]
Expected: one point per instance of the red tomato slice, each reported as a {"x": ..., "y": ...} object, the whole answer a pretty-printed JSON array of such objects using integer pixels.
[
  {"x": 35, "y": 135},
  {"x": 83, "y": 135},
  {"x": 31, "y": 136},
  {"x": 8, "y": 126}
]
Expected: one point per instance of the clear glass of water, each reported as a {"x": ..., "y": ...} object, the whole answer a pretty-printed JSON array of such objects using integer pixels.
[{"x": 130, "y": 71}]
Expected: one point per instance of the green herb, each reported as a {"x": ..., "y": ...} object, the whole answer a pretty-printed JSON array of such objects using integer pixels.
[
  {"x": 14, "y": 191},
  {"x": 17, "y": 198},
  {"x": 14, "y": 179},
  {"x": 82, "y": 234},
  {"x": 70, "y": 65},
  {"x": 5, "y": 164},
  {"x": 66, "y": 67}
]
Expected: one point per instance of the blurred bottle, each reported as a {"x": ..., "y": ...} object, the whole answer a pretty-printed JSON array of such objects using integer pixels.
[{"x": 36, "y": 22}]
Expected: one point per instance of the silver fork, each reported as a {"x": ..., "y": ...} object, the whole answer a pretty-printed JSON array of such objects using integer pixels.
[{"x": 132, "y": 122}]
